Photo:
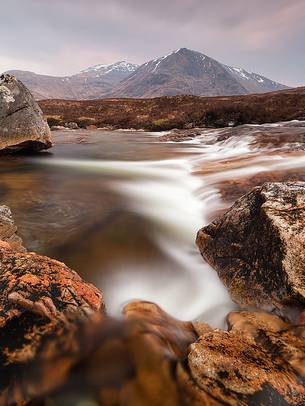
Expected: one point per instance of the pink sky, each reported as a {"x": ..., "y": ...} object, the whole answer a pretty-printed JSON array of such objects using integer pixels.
[{"x": 64, "y": 36}]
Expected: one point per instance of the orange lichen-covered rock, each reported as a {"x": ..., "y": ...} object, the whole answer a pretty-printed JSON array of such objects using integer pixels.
[
  {"x": 178, "y": 334},
  {"x": 260, "y": 360},
  {"x": 37, "y": 292},
  {"x": 152, "y": 359}
]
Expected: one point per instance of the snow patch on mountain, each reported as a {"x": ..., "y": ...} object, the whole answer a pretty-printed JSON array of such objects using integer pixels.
[
  {"x": 243, "y": 74},
  {"x": 239, "y": 71},
  {"x": 122, "y": 66}
]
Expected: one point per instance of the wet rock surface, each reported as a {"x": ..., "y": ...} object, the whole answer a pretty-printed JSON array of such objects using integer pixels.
[
  {"x": 150, "y": 359},
  {"x": 290, "y": 134},
  {"x": 257, "y": 246},
  {"x": 181, "y": 135},
  {"x": 259, "y": 361},
  {"x": 8, "y": 229},
  {"x": 39, "y": 297},
  {"x": 45, "y": 287},
  {"x": 22, "y": 126},
  {"x": 233, "y": 189}
]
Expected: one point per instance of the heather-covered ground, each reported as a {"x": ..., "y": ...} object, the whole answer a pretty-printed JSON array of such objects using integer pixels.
[{"x": 166, "y": 113}]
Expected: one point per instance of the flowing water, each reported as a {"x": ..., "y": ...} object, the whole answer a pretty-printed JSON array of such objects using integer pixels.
[{"x": 123, "y": 208}]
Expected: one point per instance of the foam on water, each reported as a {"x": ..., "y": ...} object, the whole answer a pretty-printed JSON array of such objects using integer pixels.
[
  {"x": 177, "y": 204},
  {"x": 165, "y": 193}
]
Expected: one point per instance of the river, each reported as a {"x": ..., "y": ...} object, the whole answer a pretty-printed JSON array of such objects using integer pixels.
[{"x": 123, "y": 208}]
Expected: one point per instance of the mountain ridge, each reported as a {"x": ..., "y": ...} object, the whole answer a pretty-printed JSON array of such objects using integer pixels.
[
  {"x": 180, "y": 72},
  {"x": 192, "y": 73},
  {"x": 89, "y": 83}
]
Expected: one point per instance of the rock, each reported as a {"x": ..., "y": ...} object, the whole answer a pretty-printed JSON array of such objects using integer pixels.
[
  {"x": 72, "y": 125},
  {"x": 259, "y": 361},
  {"x": 152, "y": 359},
  {"x": 107, "y": 361},
  {"x": 177, "y": 135},
  {"x": 58, "y": 128},
  {"x": 188, "y": 126},
  {"x": 8, "y": 229},
  {"x": 178, "y": 334},
  {"x": 34, "y": 292},
  {"x": 39, "y": 299},
  {"x": 258, "y": 246},
  {"x": 22, "y": 125}
]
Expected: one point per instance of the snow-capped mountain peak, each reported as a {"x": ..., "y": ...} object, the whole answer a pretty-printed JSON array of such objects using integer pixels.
[
  {"x": 122, "y": 66},
  {"x": 182, "y": 71}
]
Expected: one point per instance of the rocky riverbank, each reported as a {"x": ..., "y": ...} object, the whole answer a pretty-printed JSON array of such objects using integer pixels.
[
  {"x": 59, "y": 347},
  {"x": 52, "y": 322}
]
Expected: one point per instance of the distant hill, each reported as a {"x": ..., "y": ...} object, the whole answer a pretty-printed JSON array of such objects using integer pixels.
[
  {"x": 91, "y": 83},
  {"x": 182, "y": 72}
]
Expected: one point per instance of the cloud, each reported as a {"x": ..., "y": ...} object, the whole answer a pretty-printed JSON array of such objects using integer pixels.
[{"x": 64, "y": 36}]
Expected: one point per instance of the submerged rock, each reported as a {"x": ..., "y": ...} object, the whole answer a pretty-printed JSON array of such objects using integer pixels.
[
  {"x": 22, "y": 125},
  {"x": 258, "y": 246},
  {"x": 177, "y": 135}
]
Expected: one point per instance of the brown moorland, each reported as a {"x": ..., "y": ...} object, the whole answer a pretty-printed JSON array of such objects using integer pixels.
[{"x": 166, "y": 113}]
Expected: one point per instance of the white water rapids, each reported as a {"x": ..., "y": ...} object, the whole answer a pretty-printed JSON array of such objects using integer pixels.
[{"x": 177, "y": 203}]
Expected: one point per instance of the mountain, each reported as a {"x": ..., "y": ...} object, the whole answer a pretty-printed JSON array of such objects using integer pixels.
[
  {"x": 181, "y": 72},
  {"x": 192, "y": 73},
  {"x": 90, "y": 83},
  {"x": 101, "y": 79}
]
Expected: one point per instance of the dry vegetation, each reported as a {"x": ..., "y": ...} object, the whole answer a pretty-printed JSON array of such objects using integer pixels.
[{"x": 166, "y": 113}]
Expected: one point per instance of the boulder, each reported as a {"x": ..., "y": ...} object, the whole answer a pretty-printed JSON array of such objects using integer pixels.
[
  {"x": 39, "y": 298},
  {"x": 37, "y": 292},
  {"x": 258, "y": 246},
  {"x": 258, "y": 361},
  {"x": 22, "y": 125}
]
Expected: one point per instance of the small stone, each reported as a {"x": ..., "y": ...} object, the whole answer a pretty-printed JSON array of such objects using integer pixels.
[
  {"x": 8, "y": 229},
  {"x": 72, "y": 126}
]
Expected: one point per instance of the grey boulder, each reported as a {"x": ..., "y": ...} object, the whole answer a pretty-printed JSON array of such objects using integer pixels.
[{"x": 22, "y": 125}]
